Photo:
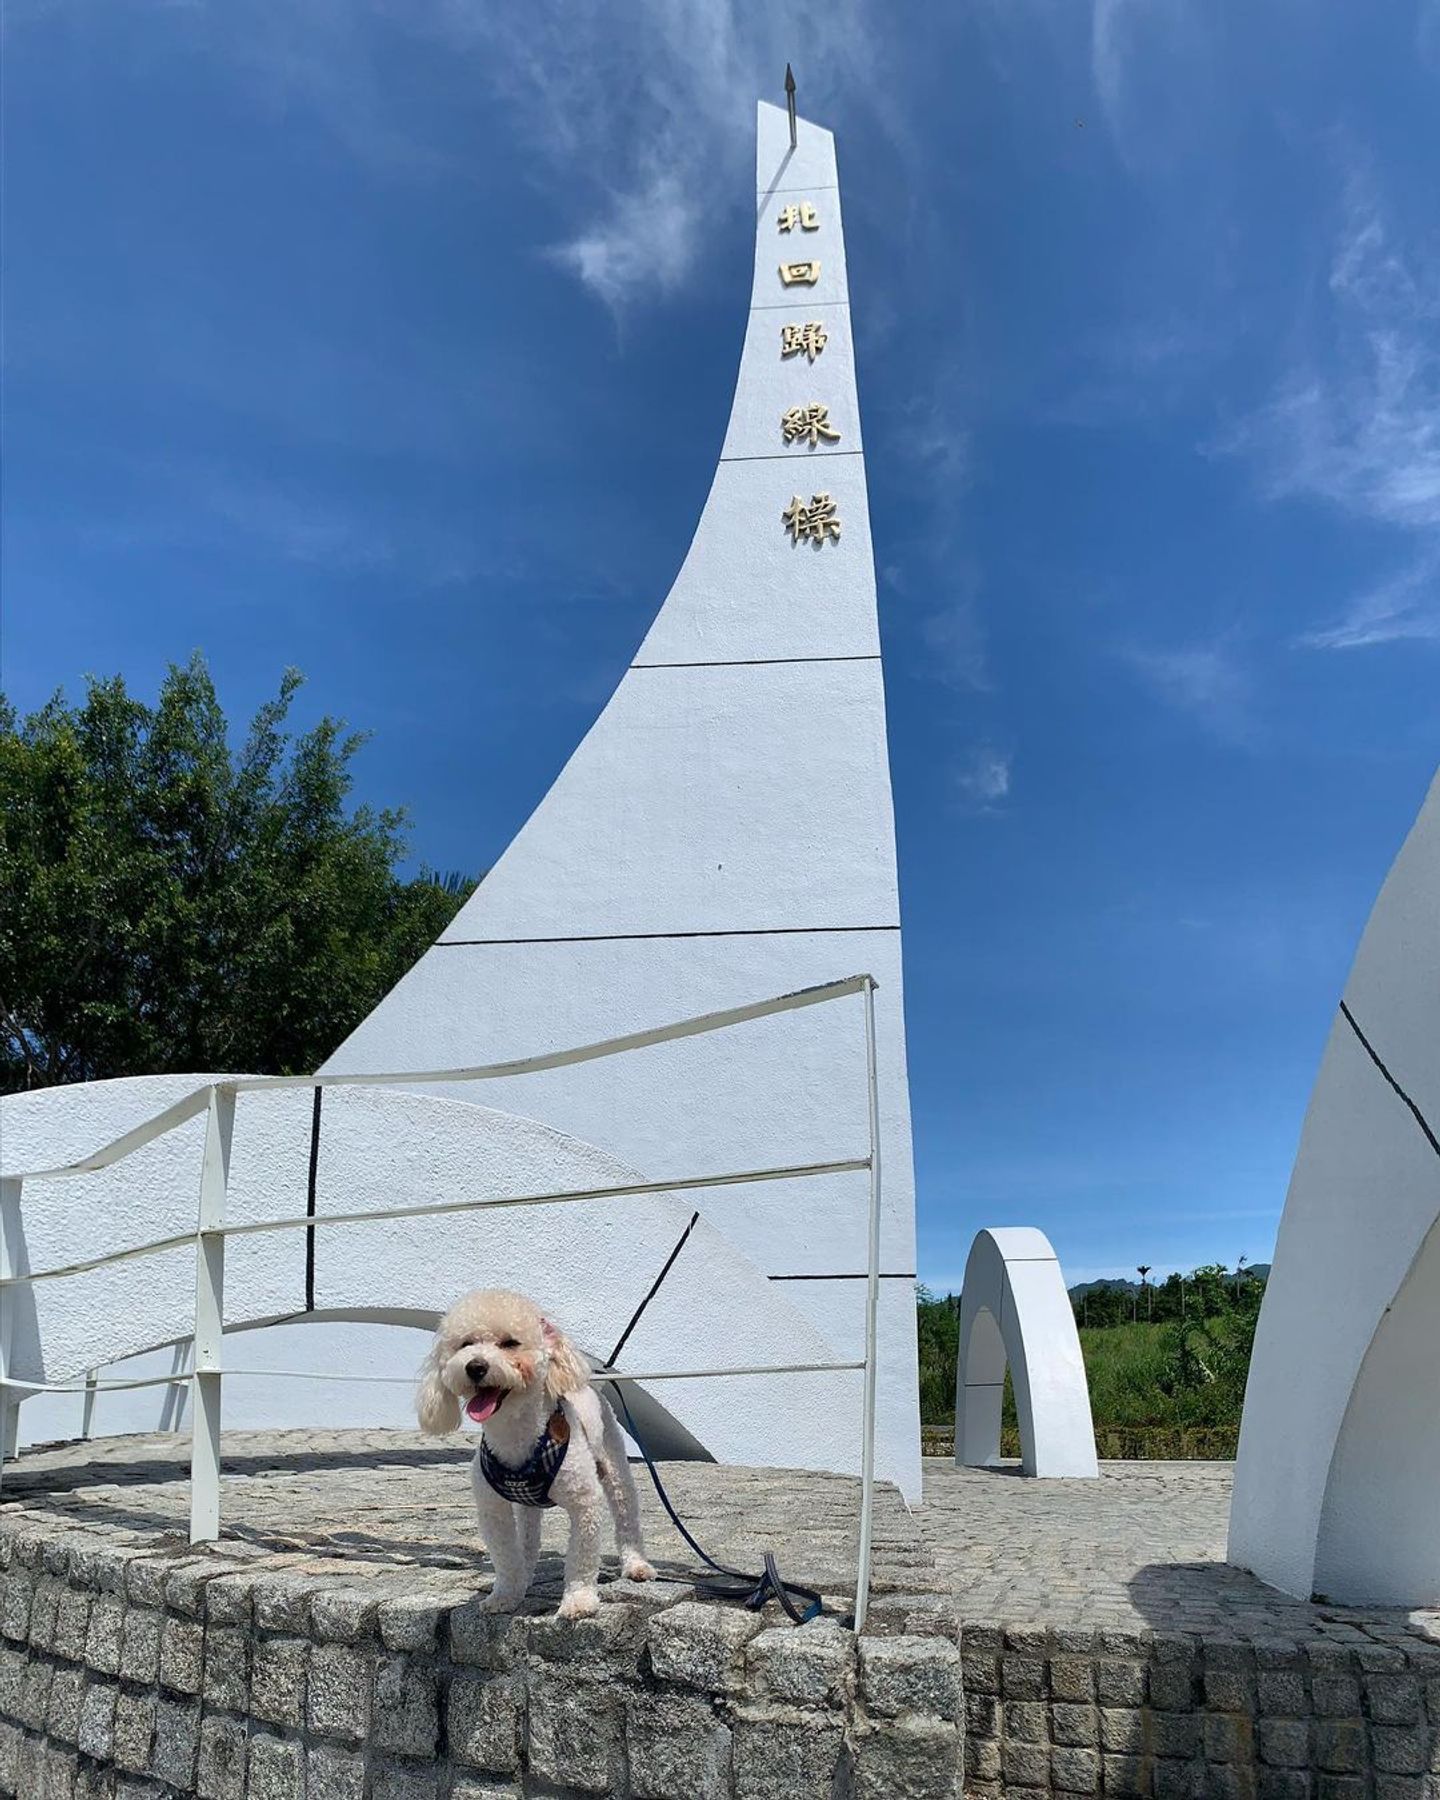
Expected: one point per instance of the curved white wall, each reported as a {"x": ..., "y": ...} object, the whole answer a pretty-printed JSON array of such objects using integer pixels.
[
  {"x": 1014, "y": 1309},
  {"x": 590, "y": 1263},
  {"x": 1340, "y": 1438}
]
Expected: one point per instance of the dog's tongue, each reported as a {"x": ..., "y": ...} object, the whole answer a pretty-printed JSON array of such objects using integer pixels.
[{"x": 483, "y": 1402}]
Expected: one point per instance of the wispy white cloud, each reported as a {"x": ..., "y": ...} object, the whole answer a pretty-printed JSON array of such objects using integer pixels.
[
  {"x": 983, "y": 779},
  {"x": 633, "y": 118},
  {"x": 1208, "y": 681},
  {"x": 208, "y": 506},
  {"x": 1144, "y": 54},
  {"x": 954, "y": 638},
  {"x": 1404, "y": 606},
  {"x": 576, "y": 84},
  {"x": 1355, "y": 423}
]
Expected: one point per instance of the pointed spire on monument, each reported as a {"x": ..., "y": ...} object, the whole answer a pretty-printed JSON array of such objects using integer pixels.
[{"x": 790, "y": 101}]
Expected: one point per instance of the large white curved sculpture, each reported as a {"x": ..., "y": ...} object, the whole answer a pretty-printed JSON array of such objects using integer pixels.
[
  {"x": 1337, "y": 1485},
  {"x": 724, "y": 833},
  {"x": 591, "y": 1263},
  {"x": 1014, "y": 1310}
]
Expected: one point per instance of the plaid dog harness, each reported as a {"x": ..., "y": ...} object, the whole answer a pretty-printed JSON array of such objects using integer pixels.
[{"x": 530, "y": 1484}]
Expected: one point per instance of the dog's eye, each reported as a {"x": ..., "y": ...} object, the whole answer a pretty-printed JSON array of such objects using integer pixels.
[{"x": 509, "y": 1343}]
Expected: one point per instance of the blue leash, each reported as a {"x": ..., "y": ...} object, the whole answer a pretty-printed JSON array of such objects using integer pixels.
[{"x": 752, "y": 1590}]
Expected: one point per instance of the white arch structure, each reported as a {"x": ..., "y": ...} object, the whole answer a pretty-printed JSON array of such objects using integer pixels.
[
  {"x": 1337, "y": 1484},
  {"x": 1014, "y": 1310}
]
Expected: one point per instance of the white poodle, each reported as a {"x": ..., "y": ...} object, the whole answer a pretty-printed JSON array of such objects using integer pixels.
[{"x": 549, "y": 1439}]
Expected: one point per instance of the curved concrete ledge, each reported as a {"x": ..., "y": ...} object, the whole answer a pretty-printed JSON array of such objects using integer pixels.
[
  {"x": 1014, "y": 1310},
  {"x": 1339, "y": 1459},
  {"x": 334, "y": 1646}
]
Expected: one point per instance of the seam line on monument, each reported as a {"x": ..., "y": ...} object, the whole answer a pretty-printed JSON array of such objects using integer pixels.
[
  {"x": 791, "y": 305},
  {"x": 790, "y": 455},
  {"x": 815, "y": 187},
  {"x": 757, "y": 662},
  {"x": 641, "y": 937},
  {"x": 863, "y": 1275},
  {"x": 638, "y": 1314},
  {"x": 310, "y": 1188},
  {"x": 1370, "y": 1051}
]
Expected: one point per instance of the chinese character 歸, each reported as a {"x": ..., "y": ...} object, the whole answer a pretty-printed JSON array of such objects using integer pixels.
[
  {"x": 802, "y": 215},
  {"x": 810, "y": 422},
  {"x": 803, "y": 340},
  {"x": 807, "y": 272},
  {"x": 815, "y": 521}
]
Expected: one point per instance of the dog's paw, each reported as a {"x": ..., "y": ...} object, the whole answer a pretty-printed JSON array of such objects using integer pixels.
[
  {"x": 634, "y": 1567},
  {"x": 501, "y": 1600},
  {"x": 579, "y": 1603}
]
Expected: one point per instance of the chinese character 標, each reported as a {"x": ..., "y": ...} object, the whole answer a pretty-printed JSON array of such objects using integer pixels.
[
  {"x": 806, "y": 272},
  {"x": 802, "y": 215},
  {"x": 815, "y": 520},
  {"x": 803, "y": 340},
  {"x": 808, "y": 422}
]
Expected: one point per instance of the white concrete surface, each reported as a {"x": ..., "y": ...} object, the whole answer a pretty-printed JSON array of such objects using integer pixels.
[
  {"x": 1339, "y": 1464},
  {"x": 1015, "y": 1311},
  {"x": 378, "y": 1287},
  {"x": 723, "y": 833}
]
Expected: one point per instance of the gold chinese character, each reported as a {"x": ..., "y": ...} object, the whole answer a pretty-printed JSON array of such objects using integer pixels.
[
  {"x": 807, "y": 340},
  {"x": 802, "y": 215},
  {"x": 808, "y": 272},
  {"x": 817, "y": 521},
  {"x": 812, "y": 422}
]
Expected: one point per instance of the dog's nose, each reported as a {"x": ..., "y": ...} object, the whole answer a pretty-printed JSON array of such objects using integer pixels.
[{"x": 477, "y": 1369}]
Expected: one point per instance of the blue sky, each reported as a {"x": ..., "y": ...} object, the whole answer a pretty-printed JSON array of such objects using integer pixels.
[{"x": 396, "y": 342}]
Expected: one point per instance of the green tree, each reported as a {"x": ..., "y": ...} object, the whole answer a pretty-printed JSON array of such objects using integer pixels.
[
  {"x": 171, "y": 903},
  {"x": 937, "y": 1328}
]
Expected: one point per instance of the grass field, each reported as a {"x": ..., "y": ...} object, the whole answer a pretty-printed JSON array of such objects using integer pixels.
[{"x": 1166, "y": 1390}]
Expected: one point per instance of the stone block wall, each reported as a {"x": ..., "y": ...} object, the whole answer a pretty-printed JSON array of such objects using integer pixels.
[
  {"x": 1356, "y": 1717},
  {"x": 137, "y": 1675}
]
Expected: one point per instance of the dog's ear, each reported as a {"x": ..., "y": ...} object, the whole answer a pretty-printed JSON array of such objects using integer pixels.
[
  {"x": 436, "y": 1407},
  {"x": 568, "y": 1370}
]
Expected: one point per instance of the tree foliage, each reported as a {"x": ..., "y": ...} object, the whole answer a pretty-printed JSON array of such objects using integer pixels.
[
  {"x": 169, "y": 902},
  {"x": 1179, "y": 1371}
]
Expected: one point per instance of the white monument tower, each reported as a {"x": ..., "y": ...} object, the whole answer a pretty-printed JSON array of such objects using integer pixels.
[{"x": 722, "y": 834}]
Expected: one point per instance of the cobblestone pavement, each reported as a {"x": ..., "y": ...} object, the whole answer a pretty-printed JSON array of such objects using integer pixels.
[
  {"x": 397, "y": 1505},
  {"x": 1144, "y": 1546}
]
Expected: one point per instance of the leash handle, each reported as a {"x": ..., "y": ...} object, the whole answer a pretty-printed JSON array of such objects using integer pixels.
[{"x": 754, "y": 1590}]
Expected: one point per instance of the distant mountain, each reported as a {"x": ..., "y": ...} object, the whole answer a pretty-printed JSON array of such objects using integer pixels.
[{"x": 1260, "y": 1271}]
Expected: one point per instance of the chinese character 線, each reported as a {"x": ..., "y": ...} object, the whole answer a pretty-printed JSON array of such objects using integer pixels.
[
  {"x": 812, "y": 422},
  {"x": 803, "y": 340},
  {"x": 808, "y": 272},
  {"x": 815, "y": 521},
  {"x": 802, "y": 215}
]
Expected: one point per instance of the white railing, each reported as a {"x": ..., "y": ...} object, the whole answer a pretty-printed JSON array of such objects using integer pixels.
[{"x": 217, "y": 1101}]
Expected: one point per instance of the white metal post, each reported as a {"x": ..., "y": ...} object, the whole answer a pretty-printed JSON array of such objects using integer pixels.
[
  {"x": 209, "y": 1319},
  {"x": 872, "y": 1312},
  {"x": 10, "y": 1259}
]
